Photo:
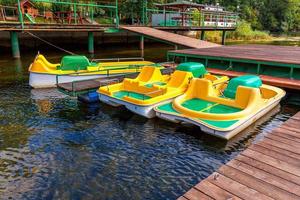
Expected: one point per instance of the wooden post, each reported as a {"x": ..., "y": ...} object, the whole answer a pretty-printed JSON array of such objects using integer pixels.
[
  {"x": 91, "y": 43},
  {"x": 142, "y": 46},
  {"x": 223, "y": 37},
  {"x": 15, "y": 44},
  {"x": 202, "y": 37}
]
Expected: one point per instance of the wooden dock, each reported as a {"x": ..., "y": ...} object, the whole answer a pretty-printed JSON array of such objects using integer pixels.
[
  {"x": 45, "y": 27},
  {"x": 168, "y": 37},
  {"x": 277, "y": 65},
  {"x": 269, "y": 169},
  {"x": 263, "y": 53},
  {"x": 271, "y": 80}
]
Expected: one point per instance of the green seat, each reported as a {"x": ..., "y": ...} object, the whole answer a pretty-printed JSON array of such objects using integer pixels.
[
  {"x": 198, "y": 70},
  {"x": 74, "y": 63},
  {"x": 246, "y": 80}
]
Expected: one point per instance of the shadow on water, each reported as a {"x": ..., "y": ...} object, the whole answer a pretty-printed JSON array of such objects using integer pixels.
[{"x": 52, "y": 146}]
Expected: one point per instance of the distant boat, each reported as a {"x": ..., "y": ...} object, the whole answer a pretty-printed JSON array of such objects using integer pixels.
[{"x": 44, "y": 74}]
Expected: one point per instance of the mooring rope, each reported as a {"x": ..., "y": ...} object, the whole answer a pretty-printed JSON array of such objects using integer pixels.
[{"x": 49, "y": 43}]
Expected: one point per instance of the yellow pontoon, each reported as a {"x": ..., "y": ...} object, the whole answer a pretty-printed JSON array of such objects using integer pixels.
[
  {"x": 243, "y": 101},
  {"x": 44, "y": 74},
  {"x": 151, "y": 88}
]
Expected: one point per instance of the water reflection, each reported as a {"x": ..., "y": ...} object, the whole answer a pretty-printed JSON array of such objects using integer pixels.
[{"x": 52, "y": 147}]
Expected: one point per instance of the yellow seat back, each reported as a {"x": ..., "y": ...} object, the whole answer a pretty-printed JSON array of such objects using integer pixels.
[{"x": 180, "y": 79}]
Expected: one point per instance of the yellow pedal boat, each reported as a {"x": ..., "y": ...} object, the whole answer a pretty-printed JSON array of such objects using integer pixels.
[
  {"x": 151, "y": 88},
  {"x": 243, "y": 101},
  {"x": 44, "y": 74}
]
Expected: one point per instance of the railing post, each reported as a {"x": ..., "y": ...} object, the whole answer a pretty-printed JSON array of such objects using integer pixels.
[
  {"x": 15, "y": 44},
  {"x": 117, "y": 15},
  {"x": 91, "y": 42},
  {"x": 92, "y": 14},
  {"x": 20, "y": 14},
  {"x": 75, "y": 14}
]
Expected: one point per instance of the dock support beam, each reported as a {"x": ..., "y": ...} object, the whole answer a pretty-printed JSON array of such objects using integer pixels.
[
  {"x": 142, "y": 46},
  {"x": 15, "y": 44},
  {"x": 91, "y": 43},
  {"x": 202, "y": 35},
  {"x": 223, "y": 37}
]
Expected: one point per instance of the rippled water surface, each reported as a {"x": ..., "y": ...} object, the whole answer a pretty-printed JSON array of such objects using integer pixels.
[{"x": 53, "y": 147}]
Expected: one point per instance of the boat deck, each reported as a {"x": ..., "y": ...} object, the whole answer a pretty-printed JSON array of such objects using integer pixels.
[
  {"x": 79, "y": 87},
  {"x": 269, "y": 169}
]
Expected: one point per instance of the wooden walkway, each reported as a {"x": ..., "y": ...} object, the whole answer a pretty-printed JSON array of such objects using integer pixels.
[
  {"x": 271, "y": 80},
  {"x": 16, "y": 26},
  {"x": 169, "y": 37},
  {"x": 269, "y": 169},
  {"x": 263, "y": 53}
]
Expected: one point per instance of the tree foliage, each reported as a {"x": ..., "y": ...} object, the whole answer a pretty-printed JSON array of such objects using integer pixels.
[{"x": 268, "y": 15}]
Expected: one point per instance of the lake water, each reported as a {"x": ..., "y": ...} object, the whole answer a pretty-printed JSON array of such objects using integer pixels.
[{"x": 53, "y": 147}]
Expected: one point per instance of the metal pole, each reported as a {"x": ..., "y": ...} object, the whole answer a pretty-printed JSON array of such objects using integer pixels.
[
  {"x": 15, "y": 44},
  {"x": 117, "y": 15},
  {"x": 91, "y": 43},
  {"x": 75, "y": 14},
  {"x": 143, "y": 13},
  {"x": 20, "y": 14}
]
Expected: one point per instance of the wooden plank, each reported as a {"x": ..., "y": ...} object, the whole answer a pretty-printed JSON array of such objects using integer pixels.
[
  {"x": 277, "y": 149},
  {"x": 297, "y": 115},
  {"x": 268, "y": 168},
  {"x": 283, "y": 140},
  {"x": 194, "y": 194},
  {"x": 293, "y": 123},
  {"x": 271, "y": 80},
  {"x": 235, "y": 188},
  {"x": 283, "y": 184},
  {"x": 287, "y": 134},
  {"x": 214, "y": 191},
  {"x": 282, "y": 145},
  {"x": 295, "y": 130},
  {"x": 272, "y": 161},
  {"x": 256, "y": 184},
  {"x": 279, "y": 54},
  {"x": 275, "y": 154},
  {"x": 170, "y": 37},
  {"x": 182, "y": 198}
]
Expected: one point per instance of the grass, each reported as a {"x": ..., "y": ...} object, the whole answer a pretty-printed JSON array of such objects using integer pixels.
[{"x": 243, "y": 32}]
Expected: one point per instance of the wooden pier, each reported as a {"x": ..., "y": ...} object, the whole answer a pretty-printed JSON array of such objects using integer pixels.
[
  {"x": 171, "y": 38},
  {"x": 277, "y": 65},
  {"x": 269, "y": 169}
]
